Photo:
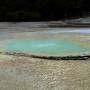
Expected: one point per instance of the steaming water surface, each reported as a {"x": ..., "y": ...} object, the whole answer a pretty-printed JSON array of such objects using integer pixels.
[{"x": 44, "y": 41}]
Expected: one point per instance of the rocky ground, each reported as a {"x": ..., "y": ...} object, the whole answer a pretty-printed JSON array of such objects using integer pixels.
[{"x": 25, "y": 73}]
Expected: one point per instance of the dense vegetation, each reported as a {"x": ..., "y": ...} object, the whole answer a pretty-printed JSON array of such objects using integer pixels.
[{"x": 27, "y": 10}]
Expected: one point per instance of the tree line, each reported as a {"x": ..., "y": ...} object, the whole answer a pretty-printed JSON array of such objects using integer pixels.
[{"x": 32, "y": 10}]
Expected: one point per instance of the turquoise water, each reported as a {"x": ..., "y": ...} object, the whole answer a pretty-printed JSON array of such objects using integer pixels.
[{"x": 47, "y": 47}]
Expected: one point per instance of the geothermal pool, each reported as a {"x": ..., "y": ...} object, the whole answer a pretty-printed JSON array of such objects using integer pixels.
[
  {"x": 44, "y": 47},
  {"x": 47, "y": 42}
]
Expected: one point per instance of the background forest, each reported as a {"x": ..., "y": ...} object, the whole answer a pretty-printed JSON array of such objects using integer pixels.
[{"x": 37, "y": 10}]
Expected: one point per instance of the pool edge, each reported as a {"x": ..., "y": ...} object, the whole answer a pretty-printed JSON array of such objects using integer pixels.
[{"x": 68, "y": 57}]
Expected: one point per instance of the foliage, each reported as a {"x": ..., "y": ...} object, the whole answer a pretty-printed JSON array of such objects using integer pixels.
[{"x": 26, "y": 10}]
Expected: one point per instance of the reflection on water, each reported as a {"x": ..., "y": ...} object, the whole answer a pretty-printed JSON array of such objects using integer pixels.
[{"x": 66, "y": 30}]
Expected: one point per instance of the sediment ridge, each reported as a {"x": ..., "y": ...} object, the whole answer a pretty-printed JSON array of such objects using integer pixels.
[{"x": 69, "y": 57}]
